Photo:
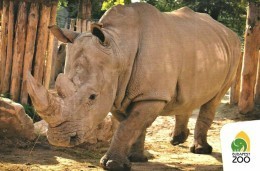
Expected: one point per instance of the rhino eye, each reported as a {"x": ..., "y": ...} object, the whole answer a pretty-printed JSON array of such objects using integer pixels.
[{"x": 92, "y": 96}]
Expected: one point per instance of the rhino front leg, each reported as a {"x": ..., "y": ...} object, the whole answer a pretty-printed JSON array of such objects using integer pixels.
[
  {"x": 136, "y": 153},
  {"x": 140, "y": 117}
]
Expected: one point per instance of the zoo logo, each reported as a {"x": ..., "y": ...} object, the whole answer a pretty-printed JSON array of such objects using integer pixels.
[{"x": 241, "y": 148}]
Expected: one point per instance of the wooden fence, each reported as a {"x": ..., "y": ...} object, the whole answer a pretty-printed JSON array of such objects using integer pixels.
[{"x": 26, "y": 45}]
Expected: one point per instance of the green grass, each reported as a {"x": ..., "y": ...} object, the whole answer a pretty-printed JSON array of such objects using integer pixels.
[{"x": 31, "y": 112}]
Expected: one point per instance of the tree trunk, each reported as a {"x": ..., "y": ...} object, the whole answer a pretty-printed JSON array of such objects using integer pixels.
[
  {"x": 42, "y": 40},
  {"x": 9, "y": 56},
  {"x": 19, "y": 49},
  {"x": 49, "y": 60},
  {"x": 252, "y": 38},
  {"x": 257, "y": 93},
  {"x": 3, "y": 51},
  {"x": 235, "y": 88},
  {"x": 84, "y": 15},
  {"x": 33, "y": 19}
]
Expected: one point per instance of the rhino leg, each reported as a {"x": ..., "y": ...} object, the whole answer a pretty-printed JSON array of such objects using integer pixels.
[
  {"x": 204, "y": 121},
  {"x": 137, "y": 150},
  {"x": 140, "y": 117},
  {"x": 181, "y": 132}
]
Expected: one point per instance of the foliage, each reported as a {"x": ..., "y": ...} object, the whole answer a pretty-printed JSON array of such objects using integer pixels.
[
  {"x": 63, "y": 3},
  {"x": 5, "y": 95},
  {"x": 109, "y": 3},
  {"x": 231, "y": 13},
  {"x": 31, "y": 112}
]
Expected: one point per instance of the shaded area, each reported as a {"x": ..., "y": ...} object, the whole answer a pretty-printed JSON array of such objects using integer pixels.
[{"x": 40, "y": 155}]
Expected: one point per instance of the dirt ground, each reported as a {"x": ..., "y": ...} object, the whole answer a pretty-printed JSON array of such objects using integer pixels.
[{"x": 39, "y": 155}]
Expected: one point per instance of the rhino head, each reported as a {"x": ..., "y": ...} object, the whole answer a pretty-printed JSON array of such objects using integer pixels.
[{"x": 85, "y": 92}]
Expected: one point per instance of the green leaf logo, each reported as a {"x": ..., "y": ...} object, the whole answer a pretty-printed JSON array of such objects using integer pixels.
[{"x": 241, "y": 143}]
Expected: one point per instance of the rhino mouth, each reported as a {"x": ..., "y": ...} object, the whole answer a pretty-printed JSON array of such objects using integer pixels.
[{"x": 65, "y": 136}]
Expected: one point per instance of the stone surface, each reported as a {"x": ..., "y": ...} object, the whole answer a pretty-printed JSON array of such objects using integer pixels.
[
  {"x": 41, "y": 128},
  {"x": 14, "y": 122},
  {"x": 105, "y": 130}
]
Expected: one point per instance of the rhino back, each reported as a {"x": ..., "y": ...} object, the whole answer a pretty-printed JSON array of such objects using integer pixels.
[{"x": 184, "y": 58}]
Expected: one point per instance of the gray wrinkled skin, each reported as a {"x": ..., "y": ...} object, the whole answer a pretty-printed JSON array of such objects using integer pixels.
[{"x": 139, "y": 63}]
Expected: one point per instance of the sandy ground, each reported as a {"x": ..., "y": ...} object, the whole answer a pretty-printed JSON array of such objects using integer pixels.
[{"x": 39, "y": 155}]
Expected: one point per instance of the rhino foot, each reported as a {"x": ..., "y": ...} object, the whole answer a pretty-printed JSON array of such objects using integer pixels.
[
  {"x": 137, "y": 157},
  {"x": 115, "y": 163},
  {"x": 207, "y": 149},
  {"x": 181, "y": 138}
]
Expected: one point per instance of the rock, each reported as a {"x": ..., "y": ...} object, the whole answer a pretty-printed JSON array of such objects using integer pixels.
[
  {"x": 104, "y": 131},
  {"x": 14, "y": 122},
  {"x": 41, "y": 128}
]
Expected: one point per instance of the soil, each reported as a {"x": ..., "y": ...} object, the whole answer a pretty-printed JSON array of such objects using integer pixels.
[{"x": 17, "y": 154}]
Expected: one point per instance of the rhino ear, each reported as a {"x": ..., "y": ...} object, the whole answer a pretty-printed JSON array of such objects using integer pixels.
[
  {"x": 97, "y": 31},
  {"x": 63, "y": 35}
]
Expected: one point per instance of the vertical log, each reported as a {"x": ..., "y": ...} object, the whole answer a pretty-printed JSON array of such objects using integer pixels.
[
  {"x": 1, "y": 8},
  {"x": 252, "y": 38},
  {"x": 54, "y": 58},
  {"x": 19, "y": 48},
  {"x": 72, "y": 24},
  {"x": 9, "y": 57},
  {"x": 42, "y": 40},
  {"x": 235, "y": 88},
  {"x": 84, "y": 15},
  {"x": 49, "y": 60},
  {"x": 3, "y": 51},
  {"x": 257, "y": 93},
  {"x": 33, "y": 19},
  {"x": 84, "y": 25},
  {"x": 78, "y": 25}
]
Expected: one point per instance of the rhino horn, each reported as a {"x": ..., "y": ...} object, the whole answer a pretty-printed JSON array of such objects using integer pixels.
[{"x": 47, "y": 105}]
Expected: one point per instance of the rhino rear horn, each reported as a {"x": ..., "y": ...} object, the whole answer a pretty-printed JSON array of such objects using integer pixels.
[{"x": 64, "y": 35}]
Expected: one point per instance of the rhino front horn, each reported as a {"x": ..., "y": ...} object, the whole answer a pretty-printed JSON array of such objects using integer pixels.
[{"x": 46, "y": 104}]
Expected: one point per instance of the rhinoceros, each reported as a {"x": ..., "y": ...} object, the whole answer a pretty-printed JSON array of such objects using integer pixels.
[{"x": 139, "y": 63}]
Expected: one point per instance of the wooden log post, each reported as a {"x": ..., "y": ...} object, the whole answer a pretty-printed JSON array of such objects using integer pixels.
[
  {"x": 42, "y": 41},
  {"x": 54, "y": 59},
  {"x": 1, "y": 8},
  {"x": 257, "y": 93},
  {"x": 19, "y": 49},
  {"x": 33, "y": 19},
  {"x": 9, "y": 56},
  {"x": 84, "y": 15},
  {"x": 252, "y": 41},
  {"x": 3, "y": 50},
  {"x": 49, "y": 60},
  {"x": 235, "y": 88},
  {"x": 72, "y": 24}
]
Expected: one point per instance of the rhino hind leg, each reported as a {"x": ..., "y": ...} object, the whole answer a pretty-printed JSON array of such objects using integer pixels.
[
  {"x": 204, "y": 121},
  {"x": 181, "y": 132},
  {"x": 136, "y": 153}
]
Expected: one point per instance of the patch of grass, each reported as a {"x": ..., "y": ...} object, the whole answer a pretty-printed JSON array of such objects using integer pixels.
[
  {"x": 31, "y": 112},
  {"x": 6, "y": 95}
]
